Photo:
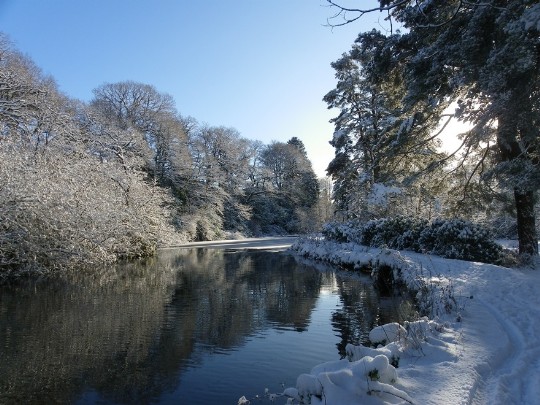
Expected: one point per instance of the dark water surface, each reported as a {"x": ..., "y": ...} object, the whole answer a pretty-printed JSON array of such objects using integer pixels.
[{"x": 191, "y": 326}]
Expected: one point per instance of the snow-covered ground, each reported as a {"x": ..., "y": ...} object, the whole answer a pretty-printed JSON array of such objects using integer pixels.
[
  {"x": 264, "y": 243},
  {"x": 481, "y": 344}
]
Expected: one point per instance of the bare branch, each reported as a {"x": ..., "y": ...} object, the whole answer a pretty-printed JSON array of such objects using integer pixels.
[{"x": 361, "y": 12}]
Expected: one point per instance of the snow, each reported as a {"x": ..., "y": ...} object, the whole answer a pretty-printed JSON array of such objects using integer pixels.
[
  {"x": 381, "y": 193},
  {"x": 480, "y": 344},
  {"x": 263, "y": 243},
  {"x": 387, "y": 333}
]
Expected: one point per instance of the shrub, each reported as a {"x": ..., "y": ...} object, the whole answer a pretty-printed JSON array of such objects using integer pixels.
[
  {"x": 400, "y": 233},
  {"x": 459, "y": 239},
  {"x": 453, "y": 239},
  {"x": 343, "y": 232}
]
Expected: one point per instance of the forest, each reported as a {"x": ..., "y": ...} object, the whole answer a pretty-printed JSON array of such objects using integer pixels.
[
  {"x": 118, "y": 176},
  {"x": 114, "y": 178}
]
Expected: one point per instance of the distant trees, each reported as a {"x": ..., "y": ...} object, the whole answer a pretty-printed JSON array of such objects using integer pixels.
[
  {"x": 323, "y": 211},
  {"x": 485, "y": 56},
  {"x": 220, "y": 171},
  {"x": 152, "y": 115},
  {"x": 291, "y": 172},
  {"x": 291, "y": 186},
  {"x": 213, "y": 170},
  {"x": 20, "y": 88}
]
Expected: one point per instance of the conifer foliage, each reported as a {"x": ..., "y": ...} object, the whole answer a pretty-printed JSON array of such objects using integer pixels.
[{"x": 485, "y": 56}]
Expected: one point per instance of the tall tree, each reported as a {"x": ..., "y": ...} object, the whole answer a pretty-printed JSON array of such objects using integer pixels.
[
  {"x": 486, "y": 55},
  {"x": 152, "y": 114},
  {"x": 291, "y": 171},
  {"x": 377, "y": 146},
  {"x": 294, "y": 186},
  {"x": 306, "y": 184},
  {"x": 221, "y": 170},
  {"x": 132, "y": 104}
]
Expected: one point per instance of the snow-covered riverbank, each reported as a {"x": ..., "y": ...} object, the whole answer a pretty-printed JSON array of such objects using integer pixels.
[
  {"x": 263, "y": 243},
  {"x": 481, "y": 344}
]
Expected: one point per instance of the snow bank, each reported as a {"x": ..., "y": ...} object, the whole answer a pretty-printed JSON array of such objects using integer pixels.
[
  {"x": 480, "y": 344},
  {"x": 343, "y": 382}
]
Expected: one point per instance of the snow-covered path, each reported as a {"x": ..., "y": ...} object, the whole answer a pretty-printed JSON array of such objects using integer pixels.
[
  {"x": 489, "y": 356},
  {"x": 498, "y": 343},
  {"x": 511, "y": 373}
]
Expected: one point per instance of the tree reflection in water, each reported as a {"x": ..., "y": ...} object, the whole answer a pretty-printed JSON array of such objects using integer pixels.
[
  {"x": 362, "y": 309},
  {"x": 130, "y": 334}
]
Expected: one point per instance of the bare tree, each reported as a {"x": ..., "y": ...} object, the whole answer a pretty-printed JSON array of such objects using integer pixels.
[
  {"x": 71, "y": 190},
  {"x": 142, "y": 108}
]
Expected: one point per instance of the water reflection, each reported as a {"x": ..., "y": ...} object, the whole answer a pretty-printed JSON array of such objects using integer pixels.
[{"x": 133, "y": 334}]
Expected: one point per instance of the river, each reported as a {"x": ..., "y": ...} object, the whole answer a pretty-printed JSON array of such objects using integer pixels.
[{"x": 193, "y": 325}]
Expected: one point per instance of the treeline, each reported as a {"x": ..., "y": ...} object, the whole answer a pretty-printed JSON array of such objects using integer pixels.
[{"x": 86, "y": 183}]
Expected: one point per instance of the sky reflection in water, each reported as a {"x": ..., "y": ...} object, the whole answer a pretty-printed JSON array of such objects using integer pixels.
[{"x": 194, "y": 326}]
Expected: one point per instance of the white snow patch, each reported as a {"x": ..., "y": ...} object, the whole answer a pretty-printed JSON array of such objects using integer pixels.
[
  {"x": 381, "y": 194},
  {"x": 483, "y": 349},
  {"x": 388, "y": 333}
]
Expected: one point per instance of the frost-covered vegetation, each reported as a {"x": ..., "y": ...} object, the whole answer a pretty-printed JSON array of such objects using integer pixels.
[
  {"x": 477, "y": 62},
  {"x": 86, "y": 183},
  {"x": 452, "y": 238}
]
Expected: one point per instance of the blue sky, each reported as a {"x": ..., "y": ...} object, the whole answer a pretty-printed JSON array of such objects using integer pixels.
[{"x": 260, "y": 66}]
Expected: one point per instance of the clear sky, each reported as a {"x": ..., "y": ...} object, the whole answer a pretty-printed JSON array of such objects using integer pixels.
[{"x": 260, "y": 66}]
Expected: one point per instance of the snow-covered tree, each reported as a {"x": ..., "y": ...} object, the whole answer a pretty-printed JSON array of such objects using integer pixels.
[
  {"x": 377, "y": 147},
  {"x": 142, "y": 108},
  {"x": 485, "y": 55},
  {"x": 290, "y": 171},
  {"x": 71, "y": 189},
  {"x": 221, "y": 171},
  {"x": 323, "y": 211},
  {"x": 292, "y": 187}
]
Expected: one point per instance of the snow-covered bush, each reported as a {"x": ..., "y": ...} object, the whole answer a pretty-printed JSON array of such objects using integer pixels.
[
  {"x": 453, "y": 239},
  {"x": 389, "y": 333},
  {"x": 459, "y": 239},
  {"x": 365, "y": 372},
  {"x": 350, "y": 231},
  {"x": 401, "y": 233},
  {"x": 63, "y": 210},
  {"x": 333, "y": 231}
]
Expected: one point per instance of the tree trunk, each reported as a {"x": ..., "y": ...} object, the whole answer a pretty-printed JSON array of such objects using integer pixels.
[
  {"x": 525, "y": 200},
  {"x": 526, "y": 222}
]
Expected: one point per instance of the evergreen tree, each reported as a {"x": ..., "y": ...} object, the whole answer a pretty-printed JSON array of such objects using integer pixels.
[
  {"x": 377, "y": 147},
  {"x": 292, "y": 186},
  {"x": 485, "y": 55}
]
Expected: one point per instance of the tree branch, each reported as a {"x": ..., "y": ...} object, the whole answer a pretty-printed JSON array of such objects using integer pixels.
[{"x": 361, "y": 12}]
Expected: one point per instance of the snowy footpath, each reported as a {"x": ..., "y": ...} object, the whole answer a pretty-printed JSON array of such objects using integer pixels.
[{"x": 480, "y": 344}]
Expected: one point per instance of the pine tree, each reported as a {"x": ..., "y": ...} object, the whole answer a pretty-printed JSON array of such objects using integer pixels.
[
  {"x": 485, "y": 55},
  {"x": 377, "y": 146}
]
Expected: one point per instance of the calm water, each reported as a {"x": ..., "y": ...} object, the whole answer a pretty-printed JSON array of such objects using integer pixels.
[{"x": 192, "y": 326}]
